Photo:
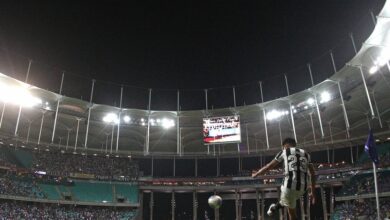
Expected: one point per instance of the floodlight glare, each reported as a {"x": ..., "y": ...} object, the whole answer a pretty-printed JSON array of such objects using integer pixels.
[
  {"x": 111, "y": 118},
  {"x": 274, "y": 114},
  {"x": 166, "y": 123},
  {"x": 18, "y": 95},
  {"x": 126, "y": 118},
  {"x": 373, "y": 69},
  {"x": 310, "y": 101},
  {"x": 325, "y": 97}
]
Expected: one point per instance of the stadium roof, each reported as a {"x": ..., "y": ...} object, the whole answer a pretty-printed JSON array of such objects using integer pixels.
[{"x": 315, "y": 127}]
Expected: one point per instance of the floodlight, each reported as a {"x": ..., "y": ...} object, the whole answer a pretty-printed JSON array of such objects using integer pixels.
[
  {"x": 274, "y": 114},
  {"x": 111, "y": 118},
  {"x": 373, "y": 69},
  {"x": 18, "y": 95},
  {"x": 167, "y": 123},
  {"x": 310, "y": 101},
  {"x": 325, "y": 97},
  {"x": 126, "y": 118}
]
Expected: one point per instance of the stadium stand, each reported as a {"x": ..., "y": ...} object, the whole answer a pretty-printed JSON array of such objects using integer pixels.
[
  {"x": 27, "y": 210},
  {"x": 26, "y": 188},
  {"x": 363, "y": 209}
]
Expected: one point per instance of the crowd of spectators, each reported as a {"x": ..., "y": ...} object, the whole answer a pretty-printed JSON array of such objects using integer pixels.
[
  {"x": 27, "y": 210},
  {"x": 100, "y": 167},
  {"x": 9, "y": 185},
  {"x": 364, "y": 184},
  {"x": 364, "y": 209}
]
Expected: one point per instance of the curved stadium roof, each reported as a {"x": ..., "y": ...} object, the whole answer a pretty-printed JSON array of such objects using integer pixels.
[{"x": 185, "y": 138}]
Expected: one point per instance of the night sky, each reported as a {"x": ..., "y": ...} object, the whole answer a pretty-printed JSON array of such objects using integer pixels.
[{"x": 180, "y": 44}]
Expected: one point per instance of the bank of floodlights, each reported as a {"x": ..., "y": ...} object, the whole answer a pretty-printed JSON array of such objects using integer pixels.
[
  {"x": 275, "y": 114},
  {"x": 18, "y": 95},
  {"x": 112, "y": 118}
]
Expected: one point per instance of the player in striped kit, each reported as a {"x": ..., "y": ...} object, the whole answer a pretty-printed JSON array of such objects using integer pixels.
[{"x": 299, "y": 176}]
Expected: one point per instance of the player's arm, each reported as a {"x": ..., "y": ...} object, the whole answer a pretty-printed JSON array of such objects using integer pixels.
[
  {"x": 312, "y": 191},
  {"x": 267, "y": 167}
]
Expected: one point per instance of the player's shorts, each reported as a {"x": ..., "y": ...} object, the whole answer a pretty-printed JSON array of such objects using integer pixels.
[{"x": 289, "y": 197}]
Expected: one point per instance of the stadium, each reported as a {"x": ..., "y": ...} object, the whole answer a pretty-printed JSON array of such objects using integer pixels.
[{"x": 67, "y": 153}]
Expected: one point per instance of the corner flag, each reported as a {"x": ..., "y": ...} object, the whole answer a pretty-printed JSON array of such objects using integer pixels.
[{"x": 370, "y": 148}]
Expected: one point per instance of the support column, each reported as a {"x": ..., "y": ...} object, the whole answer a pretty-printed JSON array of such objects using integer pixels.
[
  {"x": 265, "y": 128},
  {"x": 377, "y": 110},
  {"x": 291, "y": 110},
  {"x": 236, "y": 206},
  {"x": 351, "y": 149},
  {"x": 247, "y": 138},
  {"x": 196, "y": 167},
  {"x": 353, "y": 42},
  {"x": 346, "y": 120},
  {"x": 258, "y": 214},
  {"x": 28, "y": 132},
  {"x": 178, "y": 133},
  {"x": 316, "y": 102},
  {"x": 57, "y": 107},
  {"x": 141, "y": 205},
  {"x": 174, "y": 166},
  {"x": 20, "y": 106},
  {"x": 264, "y": 114},
  {"x": 77, "y": 133},
  {"x": 112, "y": 136},
  {"x": 367, "y": 93},
  {"x": 151, "y": 205},
  {"x": 152, "y": 171},
  {"x": 67, "y": 138},
  {"x": 323, "y": 199},
  {"x": 194, "y": 206},
  {"x": 2, "y": 114},
  {"x": 119, "y": 121},
  {"x": 218, "y": 168},
  {"x": 312, "y": 128},
  {"x": 262, "y": 205},
  {"x": 40, "y": 128},
  {"x": 330, "y": 132},
  {"x": 333, "y": 63},
  {"x": 148, "y": 125},
  {"x": 331, "y": 209},
  {"x": 173, "y": 205}
]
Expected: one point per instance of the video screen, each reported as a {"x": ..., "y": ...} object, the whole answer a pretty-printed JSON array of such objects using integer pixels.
[{"x": 221, "y": 130}]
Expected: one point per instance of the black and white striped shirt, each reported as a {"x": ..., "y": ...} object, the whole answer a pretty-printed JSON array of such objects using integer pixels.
[{"x": 296, "y": 163}]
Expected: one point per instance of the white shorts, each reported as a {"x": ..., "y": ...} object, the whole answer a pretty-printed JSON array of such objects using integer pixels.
[{"x": 289, "y": 197}]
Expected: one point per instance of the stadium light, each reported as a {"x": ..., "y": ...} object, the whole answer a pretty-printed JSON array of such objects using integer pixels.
[
  {"x": 325, "y": 97},
  {"x": 373, "y": 69},
  {"x": 310, "y": 101},
  {"x": 18, "y": 95},
  {"x": 126, "y": 118},
  {"x": 167, "y": 123},
  {"x": 274, "y": 114},
  {"x": 111, "y": 118}
]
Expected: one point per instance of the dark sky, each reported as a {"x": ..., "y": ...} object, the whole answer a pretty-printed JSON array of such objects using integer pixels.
[{"x": 180, "y": 44}]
